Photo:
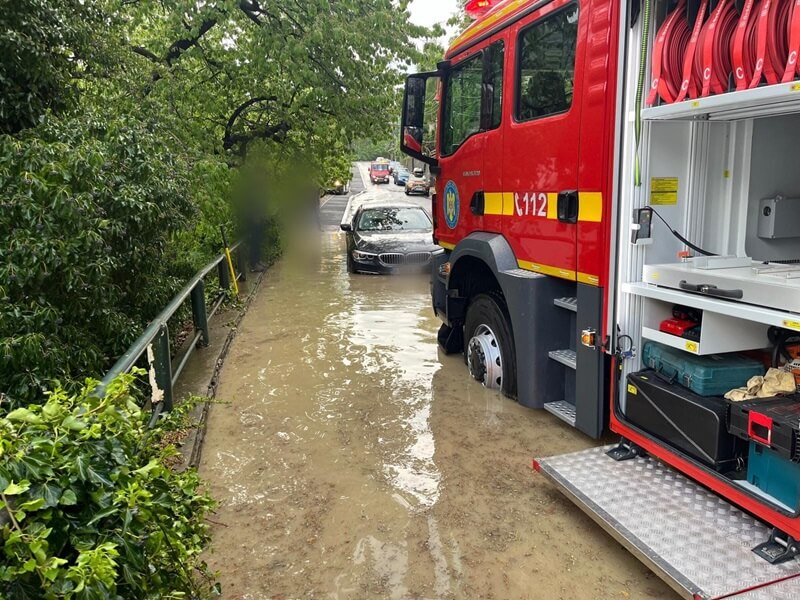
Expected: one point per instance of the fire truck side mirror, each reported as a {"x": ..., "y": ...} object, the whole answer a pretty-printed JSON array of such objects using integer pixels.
[{"x": 420, "y": 109}]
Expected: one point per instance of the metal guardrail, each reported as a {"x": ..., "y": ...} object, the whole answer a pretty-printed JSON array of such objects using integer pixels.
[{"x": 154, "y": 341}]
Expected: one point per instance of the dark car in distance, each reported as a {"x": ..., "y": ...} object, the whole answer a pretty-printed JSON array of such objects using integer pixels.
[
  {"x": 401, "y": 176},
  {"x": 389, "y": 237}
]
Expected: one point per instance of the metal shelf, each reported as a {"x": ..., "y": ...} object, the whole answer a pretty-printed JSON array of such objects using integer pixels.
[
  {"x": 738, "y": 310},
  {"x": 781, "y": 98}
]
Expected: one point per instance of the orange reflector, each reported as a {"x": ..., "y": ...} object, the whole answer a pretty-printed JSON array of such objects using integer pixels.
[{"x": 589, "y": 338}]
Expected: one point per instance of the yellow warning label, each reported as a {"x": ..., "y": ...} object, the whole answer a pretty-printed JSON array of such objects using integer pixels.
[
  {"x": 792, "y": 325},
  {"x": 795, "y": 87},
  {"x": 692, "y": 347},
  {"x": 664, "y": 191},
  {"x": 632, "y": 389}
]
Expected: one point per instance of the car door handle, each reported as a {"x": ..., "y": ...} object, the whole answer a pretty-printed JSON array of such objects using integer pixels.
[
  {"x": 567, "y": 206},
  {"x": 478, "y": 203}
]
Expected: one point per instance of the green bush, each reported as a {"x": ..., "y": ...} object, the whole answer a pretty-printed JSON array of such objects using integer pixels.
[
  {"x": 88, "y": 210},
  {"x": 88, "y": 507}
]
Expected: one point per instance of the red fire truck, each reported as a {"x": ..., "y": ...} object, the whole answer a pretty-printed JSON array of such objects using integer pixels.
[{"x": 618, "y": 192}]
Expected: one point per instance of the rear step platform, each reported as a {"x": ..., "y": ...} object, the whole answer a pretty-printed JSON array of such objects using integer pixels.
[{"x": 694, "y": 540}]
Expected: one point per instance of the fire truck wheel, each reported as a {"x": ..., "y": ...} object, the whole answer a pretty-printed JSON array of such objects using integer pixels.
[{"x": 489, "y": 353}]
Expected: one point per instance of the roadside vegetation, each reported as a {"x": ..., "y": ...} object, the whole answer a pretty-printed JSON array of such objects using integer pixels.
[{"x": 127, "y": 129}]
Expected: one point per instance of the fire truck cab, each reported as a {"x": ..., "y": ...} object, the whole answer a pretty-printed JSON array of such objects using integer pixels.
[{"x": 579, "y": 212}]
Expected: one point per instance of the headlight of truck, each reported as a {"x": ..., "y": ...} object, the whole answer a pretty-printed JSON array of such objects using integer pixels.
[{"x": 363, "y": 256}]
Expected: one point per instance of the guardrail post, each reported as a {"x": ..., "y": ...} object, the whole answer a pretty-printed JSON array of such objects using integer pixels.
[
  {"x": 161, "y": 366},
  {"x": 199, "y": 314},
  {"x": 224, "y": 275}
]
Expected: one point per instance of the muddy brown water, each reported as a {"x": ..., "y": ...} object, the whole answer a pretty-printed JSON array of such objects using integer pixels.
[{"x": 352, "y": 459}]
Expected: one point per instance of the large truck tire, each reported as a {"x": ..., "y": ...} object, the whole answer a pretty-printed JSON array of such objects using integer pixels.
[{"x": 489, "y": 344}]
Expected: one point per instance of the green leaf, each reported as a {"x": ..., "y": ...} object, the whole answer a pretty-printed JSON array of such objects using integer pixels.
[
  {"x": 68, "y": 498},
  {"x": 49, "y": 492},
  {"x": 14, "y": 489},
  {"x": 23, "y": 415},
  {"x": 32, "y": 505},
  {"x": 98, "y": 478},
  {"x": 73, "y": 424},
  {"x": 102, "y": 514},
  {"x": 82, "y": 465},
  {"x": 153, "y": 464}
]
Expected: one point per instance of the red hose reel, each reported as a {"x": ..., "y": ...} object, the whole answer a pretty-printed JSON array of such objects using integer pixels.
[{"x": 760, "y": 45}]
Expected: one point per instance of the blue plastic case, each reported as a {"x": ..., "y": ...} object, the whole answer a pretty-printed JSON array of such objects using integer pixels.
[
  {"x": 713, "y": 375},
  {"x": 774, "y": 475}
]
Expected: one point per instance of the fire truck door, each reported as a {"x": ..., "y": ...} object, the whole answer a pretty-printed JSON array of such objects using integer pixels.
[
  {"x": 540, "y": 148},
  {"x": 462, "y": 148}
]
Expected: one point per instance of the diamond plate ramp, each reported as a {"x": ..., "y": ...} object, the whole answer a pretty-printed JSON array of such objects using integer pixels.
[
  {"x": 788, "y": 589},
  {"x": 694, "y": 540}
]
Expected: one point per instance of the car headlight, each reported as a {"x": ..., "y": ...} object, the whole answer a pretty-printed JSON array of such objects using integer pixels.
[
  {"x": 337, "y": 183},
  {"x": 438, "y": 251},
  {"x": 363, "y": 256}
]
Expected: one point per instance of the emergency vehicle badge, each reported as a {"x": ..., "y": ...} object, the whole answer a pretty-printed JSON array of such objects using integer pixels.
[{"x": 451, "y": 204}]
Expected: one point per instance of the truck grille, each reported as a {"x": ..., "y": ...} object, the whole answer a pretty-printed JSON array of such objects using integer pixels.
[{"x": 395, "y": 259}]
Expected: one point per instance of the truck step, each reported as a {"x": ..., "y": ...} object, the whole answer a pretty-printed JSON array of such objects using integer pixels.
[
  {"x": 563, "y": 410},
  {"x": 568, "y": 303},
  {"x": 694, "y": 540},
  {"x": 565, "y": 357}
]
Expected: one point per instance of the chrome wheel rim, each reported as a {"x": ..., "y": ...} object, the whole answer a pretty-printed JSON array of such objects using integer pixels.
[{"x": 484, "y": 358}]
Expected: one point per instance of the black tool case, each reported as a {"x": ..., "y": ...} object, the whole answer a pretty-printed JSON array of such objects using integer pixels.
[
  {"x": 696, "y": 425},
  {"x": 772, "y": 422}
]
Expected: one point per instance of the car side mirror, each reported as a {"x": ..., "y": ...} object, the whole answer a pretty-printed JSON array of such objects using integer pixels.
[{"x": 346, "y": 227}]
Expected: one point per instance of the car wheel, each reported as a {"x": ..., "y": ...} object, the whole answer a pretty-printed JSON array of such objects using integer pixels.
[
  {"x": 351, "y": 265},
  {"x": 489, "y": 344},
  {"x": 407, "y": 194}
]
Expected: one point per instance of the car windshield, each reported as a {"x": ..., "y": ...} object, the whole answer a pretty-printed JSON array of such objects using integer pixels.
[
  {"x": 380, "y": 167},
  {"x": 394, "y": 219}
]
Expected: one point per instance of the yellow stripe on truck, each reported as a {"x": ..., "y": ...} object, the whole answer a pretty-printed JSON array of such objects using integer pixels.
[
  {"x": 588, "y": 279},
  {"x": 547, "y": 270},
  {"x": 508, "y": 204},
  {"x": 552, "y": 206},
  {"x": 590, "y": 207},
  {"x": 493, "y": 203},
  {"x": 488, "y": 22}
]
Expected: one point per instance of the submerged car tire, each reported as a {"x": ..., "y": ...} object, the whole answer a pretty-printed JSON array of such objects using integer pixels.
[
  {"x": 489, "y": 344},
  {"x": 351, "y": 265}
]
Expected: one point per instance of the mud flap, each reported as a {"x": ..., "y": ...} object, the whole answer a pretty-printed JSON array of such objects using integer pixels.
[{"x": 451, "y": 339}]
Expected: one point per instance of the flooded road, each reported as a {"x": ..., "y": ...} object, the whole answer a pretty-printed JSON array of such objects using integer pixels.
[{"x": 353, "y": 460}]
